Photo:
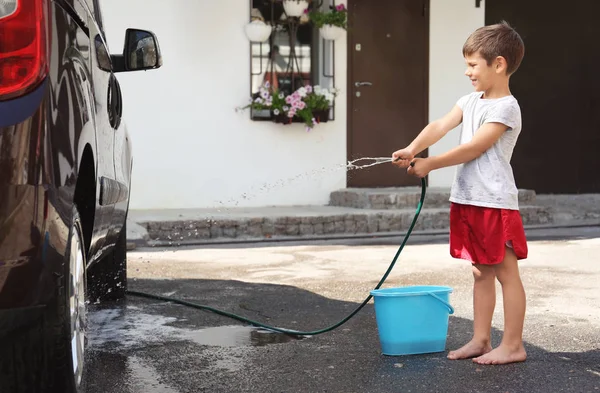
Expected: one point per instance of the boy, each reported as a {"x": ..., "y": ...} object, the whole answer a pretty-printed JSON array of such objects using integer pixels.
[{"x": 485, "y": 224}]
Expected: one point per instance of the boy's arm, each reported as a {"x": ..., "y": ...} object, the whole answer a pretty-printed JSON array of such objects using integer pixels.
[
  {"x": 430, "y": 135},
  {"x": 484, "y": 138},
  {"x": 436, "y": 130}
]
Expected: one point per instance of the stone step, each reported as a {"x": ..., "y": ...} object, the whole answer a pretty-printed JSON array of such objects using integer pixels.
[
  {"x": 293, "y": 222},
  {"x": 402, "y": 197}
]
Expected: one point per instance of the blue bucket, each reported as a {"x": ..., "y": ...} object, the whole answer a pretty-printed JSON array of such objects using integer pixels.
[{"x": 412, "y": 320}]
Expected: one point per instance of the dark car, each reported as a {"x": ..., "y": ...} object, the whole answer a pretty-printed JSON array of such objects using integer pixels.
[{"x": 65, "y": 168}]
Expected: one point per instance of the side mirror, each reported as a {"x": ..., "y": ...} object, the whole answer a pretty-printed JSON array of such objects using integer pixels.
[{"x": 141, "y": 52}]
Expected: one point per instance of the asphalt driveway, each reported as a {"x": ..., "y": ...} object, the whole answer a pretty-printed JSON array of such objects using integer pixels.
[{"x": 148, "y": 346}]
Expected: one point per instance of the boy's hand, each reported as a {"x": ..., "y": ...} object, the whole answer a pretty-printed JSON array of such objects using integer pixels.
[
  {"x": 420, "y": 167},
  {"x": 402, "y": 158}
]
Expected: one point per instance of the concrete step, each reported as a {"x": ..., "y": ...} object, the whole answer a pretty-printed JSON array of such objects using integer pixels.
[
  {"x": 402, "y": 197},
  {"x": 207, "y": 225}
]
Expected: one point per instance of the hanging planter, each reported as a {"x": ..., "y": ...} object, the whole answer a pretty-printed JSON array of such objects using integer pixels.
[
  {"x": 331, "y": 32},
  {"x": 295, "y": 8},
  {"x": 332, "y": 23},
  {"x": 258, "y": 31}
]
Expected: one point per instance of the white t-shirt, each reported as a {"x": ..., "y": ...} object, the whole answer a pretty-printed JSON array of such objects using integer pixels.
[{"x": 488, "y": 180}]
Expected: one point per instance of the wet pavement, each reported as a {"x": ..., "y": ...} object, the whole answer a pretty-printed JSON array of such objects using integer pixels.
[{"x": 148, "y": 346}]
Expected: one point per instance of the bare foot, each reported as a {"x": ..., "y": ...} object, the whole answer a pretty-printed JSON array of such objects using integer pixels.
[
  {"x": 503, "y": 355},
  {"x": 470, "y": 350}
]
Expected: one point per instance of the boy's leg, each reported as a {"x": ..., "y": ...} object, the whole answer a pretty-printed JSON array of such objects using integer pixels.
[
  {"x": 511, "y": 348},
  {"x": 484, "y": 301}
]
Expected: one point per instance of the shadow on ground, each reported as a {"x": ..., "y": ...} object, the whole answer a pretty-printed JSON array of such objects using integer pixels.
[{"x": 146, "y": 346}]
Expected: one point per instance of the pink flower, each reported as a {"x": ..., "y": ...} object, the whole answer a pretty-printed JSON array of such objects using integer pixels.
[
  {"x": 296, "y": 96},
  {"x": 340, "y": 7},
  {"x": 291, "y": 113},
  {"x": 309, "y": 89},
  {"x": 289, "y": 100},
  {"x": 302, "y": 105}
]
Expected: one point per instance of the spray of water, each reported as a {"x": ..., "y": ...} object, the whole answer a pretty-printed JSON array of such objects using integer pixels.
[
  {"x": 367, "y": 162},
  {"x": 357, "y": 164},
  {"x": 254, "y": 191}
]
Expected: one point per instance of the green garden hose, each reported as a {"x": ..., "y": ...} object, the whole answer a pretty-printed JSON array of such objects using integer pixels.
[{"x": 289, "y": 331}]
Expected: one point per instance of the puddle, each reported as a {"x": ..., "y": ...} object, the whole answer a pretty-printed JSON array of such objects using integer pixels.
[
  {"x": 130, "y": 328},
  {"x": 236, "y": 336}
]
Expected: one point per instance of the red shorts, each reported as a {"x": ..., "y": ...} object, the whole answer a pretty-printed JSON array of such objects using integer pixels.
[{"x": 480, "y": 234}]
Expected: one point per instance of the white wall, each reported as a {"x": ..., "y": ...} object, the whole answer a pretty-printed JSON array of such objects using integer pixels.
[
  {"x": 191, "y": 149},
  {"x": 451, "y": 21}
]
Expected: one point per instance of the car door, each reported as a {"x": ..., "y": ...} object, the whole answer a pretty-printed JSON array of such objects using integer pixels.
[
  {"x": 122, "y": 159},
  {"x": 118, "y": 189},
  {"x": 101, "y": 74}
]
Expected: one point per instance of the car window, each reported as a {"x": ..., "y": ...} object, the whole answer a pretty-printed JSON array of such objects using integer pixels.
[{"x": 102, "y": 55}]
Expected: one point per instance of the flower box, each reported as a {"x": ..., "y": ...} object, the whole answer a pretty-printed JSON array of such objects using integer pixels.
[{"x": 309, "y": 105}]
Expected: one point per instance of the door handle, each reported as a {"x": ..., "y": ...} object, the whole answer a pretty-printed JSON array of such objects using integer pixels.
[
  {"x": 359, "y": 84},
  {"x": 115, "y": 102}
]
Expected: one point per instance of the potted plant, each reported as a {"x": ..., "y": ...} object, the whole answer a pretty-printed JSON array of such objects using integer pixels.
[
  {"x": 311, "y": 105},
  {"x": 272, "y": 100},
  {"x": 298, "y": 107},
  {"x": 331, "y": 24},
  {"x": 320, "y": 100}
]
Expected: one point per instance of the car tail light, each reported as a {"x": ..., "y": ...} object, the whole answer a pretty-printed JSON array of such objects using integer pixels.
[{"x": 23, "y": 46}]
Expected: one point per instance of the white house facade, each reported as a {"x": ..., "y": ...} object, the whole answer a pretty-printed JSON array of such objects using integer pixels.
[{"x": 193, "y": 150}]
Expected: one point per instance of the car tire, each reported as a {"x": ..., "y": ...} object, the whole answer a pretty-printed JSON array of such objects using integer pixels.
[
  {"x": 108, "y": 278},
  {"x": 40, "y": 358}
]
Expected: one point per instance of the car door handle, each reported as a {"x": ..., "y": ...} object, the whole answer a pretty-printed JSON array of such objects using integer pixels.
[
  {"x": 115, "y": 105},
  {"x": 359, "y": 84}
]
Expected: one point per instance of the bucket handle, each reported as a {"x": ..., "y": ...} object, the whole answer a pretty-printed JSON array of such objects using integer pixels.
[{"x": 450, "y": 308}]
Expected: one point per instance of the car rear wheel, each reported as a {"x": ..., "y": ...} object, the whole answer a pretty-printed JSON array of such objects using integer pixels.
[{"x": 49, "y": 355}]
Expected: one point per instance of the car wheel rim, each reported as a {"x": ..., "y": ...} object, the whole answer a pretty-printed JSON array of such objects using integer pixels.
[{"x": 77, "y": 307}]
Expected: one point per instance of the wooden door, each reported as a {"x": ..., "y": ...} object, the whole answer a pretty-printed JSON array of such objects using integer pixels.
[
  {"x": 388, "y": 69},
  {"x": 558, "y": 89}
]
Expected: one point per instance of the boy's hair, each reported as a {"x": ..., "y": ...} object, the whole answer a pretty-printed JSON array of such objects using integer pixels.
[{"x": 497, "y": 40}]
